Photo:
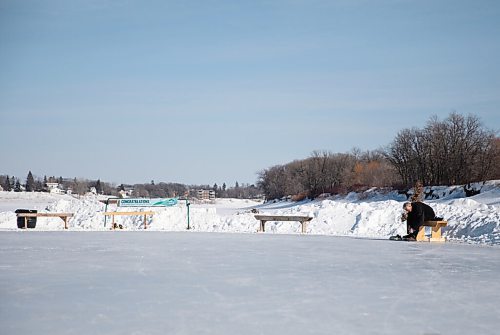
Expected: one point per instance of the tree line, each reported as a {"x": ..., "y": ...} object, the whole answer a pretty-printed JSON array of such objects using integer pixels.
[
  {"x": 326, "y": 172},
  {"x": 12, "y": 183},
  {"x": 457, "y": 150},
  {"x": 162, "y": 190},
  {"x": 37, "y": 184},
  {"x": 152, "y": 189}
]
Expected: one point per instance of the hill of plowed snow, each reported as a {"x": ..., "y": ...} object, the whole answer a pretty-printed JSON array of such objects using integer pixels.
[{"x": 372, "y": 214}]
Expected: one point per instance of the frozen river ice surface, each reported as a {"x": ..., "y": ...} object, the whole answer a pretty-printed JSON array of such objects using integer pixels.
[{"x": 210, "y": 283}]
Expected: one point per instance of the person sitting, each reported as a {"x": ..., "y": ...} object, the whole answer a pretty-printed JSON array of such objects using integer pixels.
[{"x": 415, "y": 215}]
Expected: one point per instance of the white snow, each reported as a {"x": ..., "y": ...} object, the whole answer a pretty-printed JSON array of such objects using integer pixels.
[
  {"x": 209, "y": 283},
  {"x": 371, "y": 214},
  {"x": 342, "y": 277}
]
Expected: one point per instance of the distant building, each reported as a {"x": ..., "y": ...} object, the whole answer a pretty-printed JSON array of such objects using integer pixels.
[
  {"x": 126, "y": 190},
  {"x": 54, "y": 188},
  {"x": 125, "y": 193},
  {"x": 205, "y": 194}
]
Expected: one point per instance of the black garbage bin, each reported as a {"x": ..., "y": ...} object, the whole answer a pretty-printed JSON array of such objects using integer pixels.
[{"x": 31, "y": 220}]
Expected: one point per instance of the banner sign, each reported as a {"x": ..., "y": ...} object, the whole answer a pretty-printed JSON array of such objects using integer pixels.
[{"x": 145, "y": 202}]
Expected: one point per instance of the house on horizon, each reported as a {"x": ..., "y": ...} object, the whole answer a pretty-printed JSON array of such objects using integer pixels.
[
  {"x": 126, "y": 194},
  {"x": 54, "y": 188},
  {"x": 126, "y": 190}
]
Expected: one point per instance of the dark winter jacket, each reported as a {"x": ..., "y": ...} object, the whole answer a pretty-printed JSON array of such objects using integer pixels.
[{"x": 420, "y": 212}]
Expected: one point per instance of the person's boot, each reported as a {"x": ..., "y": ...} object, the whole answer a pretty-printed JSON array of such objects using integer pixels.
[{"x": 409, "y": 237}]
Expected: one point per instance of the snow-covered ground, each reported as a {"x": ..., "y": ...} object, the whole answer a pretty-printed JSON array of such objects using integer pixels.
[
  {"x": 371, "y": 214},
  {"x": 146, "y": 282},
  {"x": 342, "y": 277}
]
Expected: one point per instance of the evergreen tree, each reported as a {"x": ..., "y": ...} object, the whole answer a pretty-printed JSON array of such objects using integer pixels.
[
  {"x": 12, "y": 183},
  {"x": 7, "y": 185},
  {"x": 17, "y": 186},
  {"x": 30, "y": 182},
  {"x": 98, "y": 186},
  {"x": 224, "y": 187}
]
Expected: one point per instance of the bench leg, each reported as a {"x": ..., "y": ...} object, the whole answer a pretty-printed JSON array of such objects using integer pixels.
[
  {"x": 65, "y": 219},
  {"x": 436, "y": 235},
  {"x": 304, "y": 226},
  {"x": 421, "y": 235},
  {"x": 262, "y": 227}
]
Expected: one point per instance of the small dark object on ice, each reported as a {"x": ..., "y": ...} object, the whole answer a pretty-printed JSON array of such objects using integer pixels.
[{"x": 402, "y": 238}]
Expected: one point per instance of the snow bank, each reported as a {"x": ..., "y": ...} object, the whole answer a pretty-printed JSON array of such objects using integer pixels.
[{"x": 370, "y": 214}]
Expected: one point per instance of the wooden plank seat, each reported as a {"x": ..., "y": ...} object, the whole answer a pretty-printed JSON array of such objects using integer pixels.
[
  {"x": 63, "y": 216},
  {"x": 264, "y": 218},
  {"x": 436, "y": 231},
  {"x": 145, "y": 213}
]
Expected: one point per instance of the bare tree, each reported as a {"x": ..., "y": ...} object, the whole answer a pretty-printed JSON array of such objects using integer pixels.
[
  {"x": 79, "y": 186},
  {"x": 457, "y": 150}
]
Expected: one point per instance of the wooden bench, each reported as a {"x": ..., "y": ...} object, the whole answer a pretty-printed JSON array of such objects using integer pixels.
[
  {"x": 145, "y": 213},
  {"x": 63, "y": 216},
  {"x": 264, "y": 218},
  {"x": 436, "y": 231}
]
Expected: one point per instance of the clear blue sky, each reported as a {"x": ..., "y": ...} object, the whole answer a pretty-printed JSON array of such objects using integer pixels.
[{"x": 214, "y": 91}]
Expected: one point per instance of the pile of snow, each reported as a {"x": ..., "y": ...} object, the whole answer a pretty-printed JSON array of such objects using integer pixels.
[{"x": 372, "y": 214}]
